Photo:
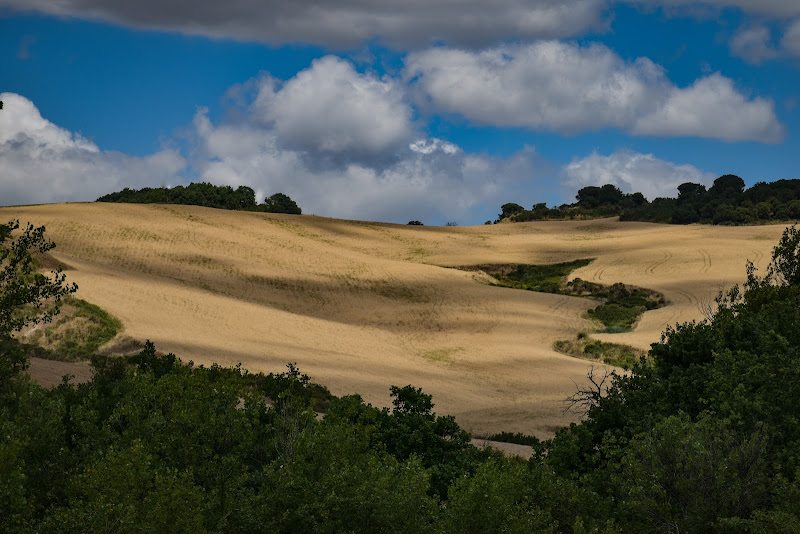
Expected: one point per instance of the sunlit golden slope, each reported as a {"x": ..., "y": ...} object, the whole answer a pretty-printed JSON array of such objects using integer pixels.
[{"x": 361, "y": 306}]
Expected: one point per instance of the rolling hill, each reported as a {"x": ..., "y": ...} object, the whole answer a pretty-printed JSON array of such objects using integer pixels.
[{"x": 361, "y": 306}]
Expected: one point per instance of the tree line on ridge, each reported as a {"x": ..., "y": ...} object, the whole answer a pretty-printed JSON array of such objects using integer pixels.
[
  {"x": 208, "y": 195},
  {"x": 727, "y": 202}
]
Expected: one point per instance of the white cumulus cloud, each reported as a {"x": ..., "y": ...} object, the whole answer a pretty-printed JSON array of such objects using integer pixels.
[
  {"x": 430, "y": 179},
  {"x": 42, "y": 162},
  {"x": 568, "y": 88},
  {"x": 331, "y": 108},
  {"x": 713, "y": 108},
  {"x": 342, "y": 143},
  {"x": 632, "y": 172}
]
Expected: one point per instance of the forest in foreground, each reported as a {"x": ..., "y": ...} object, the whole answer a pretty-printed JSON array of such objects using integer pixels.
[{"x": 702, "y": 436}]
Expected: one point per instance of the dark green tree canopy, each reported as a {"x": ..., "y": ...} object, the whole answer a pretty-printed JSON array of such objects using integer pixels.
[
  {"x": 24, "y": 291},
  {"x": 689, "y": 191},
  {"x": 593, "y": 196},
  {"x": 280, "y": 203},
  {"x": 728, "y": 185},
  {"x": 509, "y": 210},
  {"x": 726, "y": 202},
  {"x": 205, "y": 194}
]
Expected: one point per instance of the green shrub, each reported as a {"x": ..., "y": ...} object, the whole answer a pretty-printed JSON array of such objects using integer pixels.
[{"x": 616, "y": 315}]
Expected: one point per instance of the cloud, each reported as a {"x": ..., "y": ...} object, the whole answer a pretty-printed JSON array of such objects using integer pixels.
[
  {"x": 713, "y": 108},
  {"x": 632, "y": 172},
  {"x": 568, "y": 88},
  {"x": 753, "y": 44},
  {"x": 430, "y": 180},
  {"x": 344, "y": 23},
  {"x": 348, "y": 23},
  {"x": 42, "y": 162},
  {"x": 330, "y": 108},
  {"x": 346, "y": 149},
  {"x": 791, "y": 39},
  {"x": 341, "y": 143},
  {"x": 546, "y": 85}
]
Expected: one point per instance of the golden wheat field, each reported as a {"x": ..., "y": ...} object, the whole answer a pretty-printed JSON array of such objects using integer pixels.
[{"x": 361, "y": 306}]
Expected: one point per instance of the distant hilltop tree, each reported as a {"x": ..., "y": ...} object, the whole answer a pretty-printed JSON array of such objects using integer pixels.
[
  {"x": 415, "y": 223},
  {"x": 205, "y": 194},
  {"x": 727, "y": 202},
  {"x": 509, "y": 210},
  {"x": 280, "y": 203}
]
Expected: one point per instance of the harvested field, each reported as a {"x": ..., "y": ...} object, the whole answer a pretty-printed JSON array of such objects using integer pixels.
[{"x": 361, "y": 306}]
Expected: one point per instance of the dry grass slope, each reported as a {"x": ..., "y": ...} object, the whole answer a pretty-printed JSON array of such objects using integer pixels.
[{"x": 361, "y": 306}]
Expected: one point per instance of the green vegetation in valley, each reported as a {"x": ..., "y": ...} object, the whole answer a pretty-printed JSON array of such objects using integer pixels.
[
  {"x": 77, "y": 334},
  {"x": 725, "y": 202},
  {"x": 585, "y": 347},
  {"x": 543, "y": 278},
  {"x": 705, "y": 438},
  {"x": 622, "y": 304},
  {"x": 208, "y": 195}
]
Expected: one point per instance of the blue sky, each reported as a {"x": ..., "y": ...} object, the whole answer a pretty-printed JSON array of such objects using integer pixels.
[{"x": 435, "y": 111}]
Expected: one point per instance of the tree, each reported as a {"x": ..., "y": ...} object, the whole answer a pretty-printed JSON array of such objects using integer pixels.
[
  {"x": 592, "y": 196},
  {"x": 689, "y": 191},
  {"x": 785, "y": 266},
  {"x": 23, "y": 290},
  {"x": 727, "y": 186},
  {"x": 415, "y": 223},
  {"x": 280, "y": 203},
  {"x": 510, "y": 209},
  {"x": 246, "y": 197}
]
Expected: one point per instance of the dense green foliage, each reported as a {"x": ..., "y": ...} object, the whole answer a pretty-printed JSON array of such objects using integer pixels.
[
  {"x": 280, "y": 203},
  {"x": 592, "y": 202},
  {"x": 26, "y": 295},
  {"x": 726, "y": 202},
  {"x": 705, "y": 438},
  {"x": 205, "y": 194},
  {"x": 545, "y": 278},
  {"x": 622, "y": 304}
]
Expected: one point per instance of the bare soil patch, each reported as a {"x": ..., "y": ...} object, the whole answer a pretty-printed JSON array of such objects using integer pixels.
[{"x": 50, "y": 373}]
